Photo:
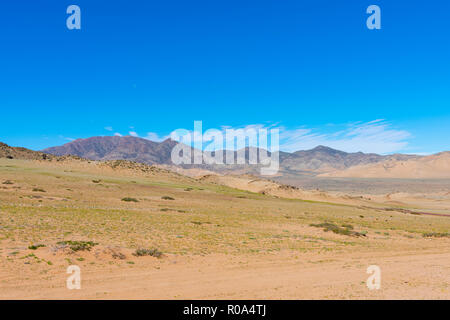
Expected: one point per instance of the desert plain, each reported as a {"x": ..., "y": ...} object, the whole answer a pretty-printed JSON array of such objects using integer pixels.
[{"x": 144, "y": 232}]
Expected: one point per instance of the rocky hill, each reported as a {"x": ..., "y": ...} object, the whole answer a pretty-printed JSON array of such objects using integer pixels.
[{"x": 22, "y": 153}]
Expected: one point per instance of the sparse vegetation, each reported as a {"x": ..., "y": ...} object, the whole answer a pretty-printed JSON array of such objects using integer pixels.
[
  {"x": 148, "y": 252},
  {"x": 7, "y": 182},
  {"x": 128, "y": 199},
  {"x": 97, "y": 181},
  {"x": 167, "y": 198},
  {"x": 436, "y": 235},
  {"x": 216, "y": 223},
  {"x": 344, "y": 230},
  {"x": 117, "y": 255},
  {"x": 79, "y": 245},
  {"x": 199, "y": 223},
  {"x": 38, "y": 190},
  {"x": 36, "y": 246}
]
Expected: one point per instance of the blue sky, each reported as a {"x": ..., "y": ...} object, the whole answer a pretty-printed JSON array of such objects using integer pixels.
[{"x": 311, "y": 68}]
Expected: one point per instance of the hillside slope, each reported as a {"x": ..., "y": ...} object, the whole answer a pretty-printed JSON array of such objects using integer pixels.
[
  {"x": 436, "y": 166},
  {"x": 9, "y": 152}
]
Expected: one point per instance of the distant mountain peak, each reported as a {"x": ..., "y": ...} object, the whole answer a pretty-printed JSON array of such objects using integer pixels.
[
  {"x": 325, "y": 149},
  {"x": 116, "y": 148}
]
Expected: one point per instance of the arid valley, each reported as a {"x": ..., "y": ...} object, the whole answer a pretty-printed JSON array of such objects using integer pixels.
[{"x": 139, "y": 231}]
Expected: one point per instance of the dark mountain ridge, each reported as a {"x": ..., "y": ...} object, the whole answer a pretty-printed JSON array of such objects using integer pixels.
[{"x": 117, "y": 148}]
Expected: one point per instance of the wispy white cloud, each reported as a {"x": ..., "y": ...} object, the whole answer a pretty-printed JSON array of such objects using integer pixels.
[
  {"x": 108, "y": 128},
  {"x": 117, "y": 134},
  {"x": 66, "y": 138},
  {"x": 155, "y": 137},
  {"x": 209, "y": 134},
  {"x": 377, "y": 136}
]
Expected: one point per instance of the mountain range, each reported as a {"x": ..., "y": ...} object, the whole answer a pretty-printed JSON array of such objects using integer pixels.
[
  {"x": 322, "y": 162},
  {"x": 319, "y": 160}
]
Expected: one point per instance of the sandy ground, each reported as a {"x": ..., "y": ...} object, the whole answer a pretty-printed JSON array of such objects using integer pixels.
[
  {"x": 434, "y": 201},
  {"x": 435, "y": 166},
  {"x": 404, "y": 275}
]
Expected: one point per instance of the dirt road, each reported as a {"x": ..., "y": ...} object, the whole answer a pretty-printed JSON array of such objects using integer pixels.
[{"x": 278, "y": 276}]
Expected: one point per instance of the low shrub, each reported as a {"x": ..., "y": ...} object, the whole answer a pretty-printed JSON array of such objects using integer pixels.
[
  {"x": 148, "y": 252},
  {"x": 345, "y": 230},
  {"x": 79, "y": 245},
  {"x": 36, "y": 246},
  {"x": 436, "y": 235}
]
